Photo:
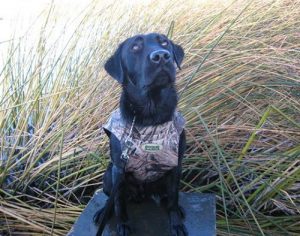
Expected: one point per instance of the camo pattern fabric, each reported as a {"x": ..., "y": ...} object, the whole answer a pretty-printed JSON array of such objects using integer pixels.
[{"x": 153, "y": 149}]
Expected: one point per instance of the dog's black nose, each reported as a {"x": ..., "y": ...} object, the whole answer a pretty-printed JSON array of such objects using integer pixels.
[{"x": 160, "y": 55}]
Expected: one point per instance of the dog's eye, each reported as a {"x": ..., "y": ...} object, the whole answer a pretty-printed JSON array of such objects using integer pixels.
[
  {"x": 135, "y": 47},
  {"x": 164, "y": 43}
]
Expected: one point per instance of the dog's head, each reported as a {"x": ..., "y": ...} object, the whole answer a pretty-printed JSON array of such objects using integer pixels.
[{"x": 145, "y": 61}]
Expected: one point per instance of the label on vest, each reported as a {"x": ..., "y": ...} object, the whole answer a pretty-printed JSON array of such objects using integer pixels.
[{"x": 151, "y": 147}]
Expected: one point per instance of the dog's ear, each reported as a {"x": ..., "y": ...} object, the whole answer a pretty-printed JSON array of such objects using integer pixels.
[
  {"x": 178, "y": 54},
  {"x": 113, "y": 65}
]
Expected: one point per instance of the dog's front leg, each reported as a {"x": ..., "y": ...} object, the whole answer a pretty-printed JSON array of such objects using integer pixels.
[
  {"x": 176, "y": 213},
  {"x": 120, "y": 208}
]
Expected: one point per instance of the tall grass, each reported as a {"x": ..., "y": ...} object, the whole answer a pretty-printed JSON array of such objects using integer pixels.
[{"x": 241, "y": 100}]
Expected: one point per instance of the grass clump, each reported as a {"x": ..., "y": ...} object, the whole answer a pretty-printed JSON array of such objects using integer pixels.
[{"x": 241, "y": 101}]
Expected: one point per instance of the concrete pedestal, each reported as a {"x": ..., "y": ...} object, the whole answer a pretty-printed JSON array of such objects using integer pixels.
[{"x": 149, "y": 219}]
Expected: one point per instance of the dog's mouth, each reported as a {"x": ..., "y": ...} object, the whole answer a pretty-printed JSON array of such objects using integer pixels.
[
  {"x": 161, "y": 78},
  {"x": 163, "y": 73}
]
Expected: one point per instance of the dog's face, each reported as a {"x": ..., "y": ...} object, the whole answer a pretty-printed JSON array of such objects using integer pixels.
[{"x": 146, "y": 61}]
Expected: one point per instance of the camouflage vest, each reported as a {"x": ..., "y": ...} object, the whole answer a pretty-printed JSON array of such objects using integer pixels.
[{"x": 154, "y": 149}]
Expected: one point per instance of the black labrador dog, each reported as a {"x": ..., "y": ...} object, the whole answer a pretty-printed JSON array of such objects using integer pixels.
[{"x": 145, "y": 67}]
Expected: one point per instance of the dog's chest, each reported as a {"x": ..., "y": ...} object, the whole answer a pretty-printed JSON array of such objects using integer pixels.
[{"x": 153, "y": 150}]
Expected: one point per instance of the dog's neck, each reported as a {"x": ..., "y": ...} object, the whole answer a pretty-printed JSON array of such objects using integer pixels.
[{"x": 152, "y": 107}]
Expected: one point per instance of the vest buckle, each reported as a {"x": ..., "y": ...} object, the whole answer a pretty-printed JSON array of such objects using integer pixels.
[{"x": 124, "y": 155}]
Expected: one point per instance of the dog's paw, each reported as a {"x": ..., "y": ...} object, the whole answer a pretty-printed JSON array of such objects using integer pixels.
[
  {"x": 179, "y": 230},
  {"x": 181, "y": 212},
  {"x": 98, "y": 215},
  {"x": 177, "y": 226},
  {"x": 123, "y": 229}
]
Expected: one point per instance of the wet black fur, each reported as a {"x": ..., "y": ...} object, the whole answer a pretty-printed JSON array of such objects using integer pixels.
[{"x": 149, "y": 94}]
